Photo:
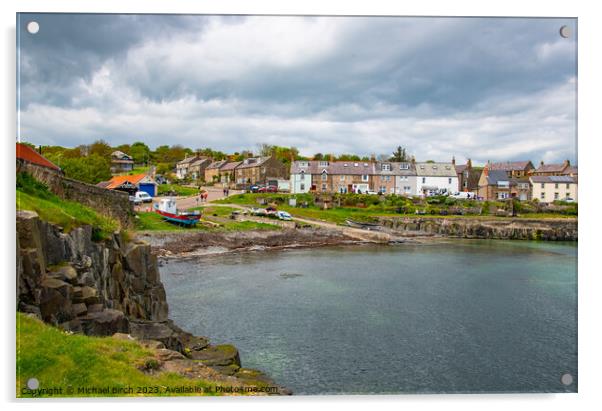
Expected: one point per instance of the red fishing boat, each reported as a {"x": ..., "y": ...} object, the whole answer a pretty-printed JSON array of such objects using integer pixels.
[{"x": 168, "y": 210}]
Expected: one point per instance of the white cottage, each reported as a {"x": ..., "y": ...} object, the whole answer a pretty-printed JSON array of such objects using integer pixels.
[{"x": 435, "y": 178}]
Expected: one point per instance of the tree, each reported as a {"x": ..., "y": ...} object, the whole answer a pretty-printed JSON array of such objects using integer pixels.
[
  {"x": 400, "y": 155},
  {"x": 91, "y": 169},
  {"x": 318, "y": 156},
  {"x": 100, "y": 148},
  {"x": 140, "y": 153}
]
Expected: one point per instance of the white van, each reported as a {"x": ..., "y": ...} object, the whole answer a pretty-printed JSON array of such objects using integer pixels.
[{"x": 143, "y": 196}]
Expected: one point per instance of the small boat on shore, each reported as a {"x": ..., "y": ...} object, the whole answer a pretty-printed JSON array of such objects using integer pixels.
[
  {"x": 365, "y": 226},
  {"x": 167, "y": 209}
]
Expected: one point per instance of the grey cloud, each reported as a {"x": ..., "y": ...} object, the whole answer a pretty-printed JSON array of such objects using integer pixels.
[{"x": 485, "y": 88}]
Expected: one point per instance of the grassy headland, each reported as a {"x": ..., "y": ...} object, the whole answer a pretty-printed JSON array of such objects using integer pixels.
[
  {"x": 62, "y": 360},
  {"x": 35, "y": 196}
]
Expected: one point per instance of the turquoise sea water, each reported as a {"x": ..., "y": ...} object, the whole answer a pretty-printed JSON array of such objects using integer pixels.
[{"x": 457, "y": 316}]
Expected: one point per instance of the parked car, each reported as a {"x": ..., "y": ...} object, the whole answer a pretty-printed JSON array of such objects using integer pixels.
[
  {"x": 259, "y": 212},
  {"x": 283, "y": 215},
  {"x": 569, "y": 200},
  {"x": 254, "y": 188},
  {"x": 144, "y": 197},
  {"x": 373, "y": 192},
  {"x": 134, "y": 200},
  {"x": 268, "y": 189},
  {"x": 464, "y": 195}
]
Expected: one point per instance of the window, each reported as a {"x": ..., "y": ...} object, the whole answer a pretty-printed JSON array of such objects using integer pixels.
[
  {"x": 567, "y": 195},
  {"x": 556, "y": 186},
  {"x": 303, "y": 164},
  {"x": 323, "y": 163},
  {"x": 355, "y": 164},
  {"x": 365, "y": 177},
  {"x": 447, "y": 167},
  {"x": 556, "y": 196},
  {"x": 345, "y": 165},
  {"x": 568, "y": 186},
  {"x": 386, "y": 167},
  {"x": 382, "y": 189},
  {"x": 342, "y": 178},
  {"x": 434, "y": 167},
  {"x": 449, "y": 180},
  {"x": 407, "y": 189},
  {"x": 302, "y": 187},
  {"x": 404, "y": 166},
  {"x": 324, "y": 176},
  {"x": 302, "y": 176},
  {"x": 423, "y": 180},
  {"x": 388, "y": 178},
  {"x": 542, "y": 195},
  {"x": 323, "y": 187},
  {"x": 543, "y": 185}
]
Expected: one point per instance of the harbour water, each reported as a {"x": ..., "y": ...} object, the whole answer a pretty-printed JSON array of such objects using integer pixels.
[{"x": 454, "y": 316}]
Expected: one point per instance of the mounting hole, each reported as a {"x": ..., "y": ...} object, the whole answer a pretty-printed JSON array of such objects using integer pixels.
[
  {"x": 566, "y": 379},
  {"x": 33, "y": 384},
  {"x": 565, "y": 32},
  {"x": 33, "y": 27}
]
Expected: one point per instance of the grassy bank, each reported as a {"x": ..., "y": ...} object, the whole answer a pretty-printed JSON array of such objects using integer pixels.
[
  {"x": 35, "y": 196},
  {"x": 57, "y": 359},
  {"x": 368, "y": 208},
  {"x": 217, "y": 218}
]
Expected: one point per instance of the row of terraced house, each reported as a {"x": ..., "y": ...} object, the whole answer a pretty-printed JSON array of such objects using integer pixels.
[
  {"x": 254, "y": 170},
  {"x": 494, "y": 181}
]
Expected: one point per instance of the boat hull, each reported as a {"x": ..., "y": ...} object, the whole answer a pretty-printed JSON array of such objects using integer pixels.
[{"x": 186, "y": 219}]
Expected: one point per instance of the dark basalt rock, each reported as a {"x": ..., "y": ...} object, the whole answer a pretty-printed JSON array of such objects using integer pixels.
[{"x": 105, "y": 323}]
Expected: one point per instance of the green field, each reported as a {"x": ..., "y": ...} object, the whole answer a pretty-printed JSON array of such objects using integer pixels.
[
  {"x": 58, "y": 359},
  {"x": 34, "y": 196}
]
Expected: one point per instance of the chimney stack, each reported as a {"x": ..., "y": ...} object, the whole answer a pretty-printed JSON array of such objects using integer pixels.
[
  {"x": 469, "y": 163},
  {"x": 454, "y": 160}
]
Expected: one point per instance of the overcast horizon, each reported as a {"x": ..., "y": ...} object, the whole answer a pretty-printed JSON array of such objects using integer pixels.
[{"x": 498, "y": 89}]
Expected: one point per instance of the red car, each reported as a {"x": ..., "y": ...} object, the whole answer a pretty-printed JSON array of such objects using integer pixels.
[{"x": 268, "y": 189}]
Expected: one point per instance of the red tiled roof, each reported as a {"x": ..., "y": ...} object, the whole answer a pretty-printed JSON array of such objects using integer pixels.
[
  {"x": 119, "y": 180},
  {"x": 510, "y": 165},
  {"x": 24, "y": 152}
]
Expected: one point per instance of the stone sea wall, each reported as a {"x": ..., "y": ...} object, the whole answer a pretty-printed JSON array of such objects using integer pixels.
[
  {"x": 564, "y": 229},
  {"x": 109, "y": 287},
  {"x": 113, "y": 203}
]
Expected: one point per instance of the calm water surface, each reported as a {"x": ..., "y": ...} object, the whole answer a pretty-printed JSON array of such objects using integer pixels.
[{"x": 462, "y": 316}]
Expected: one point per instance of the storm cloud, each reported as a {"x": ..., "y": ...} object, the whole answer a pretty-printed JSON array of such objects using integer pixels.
[{"x": 480, "y": 88}]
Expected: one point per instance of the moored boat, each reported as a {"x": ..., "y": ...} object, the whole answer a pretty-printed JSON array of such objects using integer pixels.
[{"x": 167, "y": 209}]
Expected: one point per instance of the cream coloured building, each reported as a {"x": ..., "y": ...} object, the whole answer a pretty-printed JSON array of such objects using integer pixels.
[{"x": 548, "y": 189}]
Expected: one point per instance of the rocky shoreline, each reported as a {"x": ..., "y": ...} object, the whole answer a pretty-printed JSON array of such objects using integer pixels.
[
  {"x": 193, "y": 244},
  {"x": 112, "y": 287}
]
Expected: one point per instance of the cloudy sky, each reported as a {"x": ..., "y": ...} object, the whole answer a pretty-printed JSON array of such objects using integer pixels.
[{"x": 486, "y": 89}]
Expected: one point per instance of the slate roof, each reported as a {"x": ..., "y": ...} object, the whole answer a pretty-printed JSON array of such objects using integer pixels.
[
  {"x": 495, "y": 176},
  {"x": 435, "y": 170},
  {"x": 554, "y": 179},
  {"x": 397, "y": 169},
  {"x": 231, "y": 165},
  {"x": 200, "y": 161},
  {"x": 334, "y": 167},
  {"x": 216, "y": 165},
  {"x": 24, "y": 152},
  {"x": 187, "y": 160},
  {"x": 258, "y": 161}
]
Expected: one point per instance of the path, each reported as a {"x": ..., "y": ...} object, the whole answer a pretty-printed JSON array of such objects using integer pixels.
[{"x": 357, "y": 233}]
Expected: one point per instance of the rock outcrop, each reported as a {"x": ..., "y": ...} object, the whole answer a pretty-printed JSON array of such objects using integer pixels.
[
  {"x": 564, "y": 229},
  {"x": 103, "y": 288}
]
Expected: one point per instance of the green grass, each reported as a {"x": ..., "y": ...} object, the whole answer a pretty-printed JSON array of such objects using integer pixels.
[
  {"x": 181, "y": 191},
  {"x": 151, "y": 221},
  {"x": 61, "y": 360},
  {"x": 34, "y": 196}
]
